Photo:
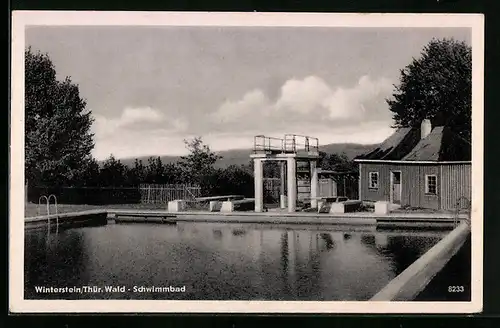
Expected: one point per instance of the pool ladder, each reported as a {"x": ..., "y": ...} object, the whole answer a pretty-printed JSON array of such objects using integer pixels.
[
  {"x": 47, "y": 202},
  {"x": 458, "y": 207}
]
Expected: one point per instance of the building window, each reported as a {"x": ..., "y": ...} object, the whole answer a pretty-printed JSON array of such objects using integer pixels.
[
  {"x": 431, "y": 184},
  {"x": 373, "y": 180}
]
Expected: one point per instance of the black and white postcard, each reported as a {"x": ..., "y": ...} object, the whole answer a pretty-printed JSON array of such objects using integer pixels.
[{"x": 246, "y": 162}]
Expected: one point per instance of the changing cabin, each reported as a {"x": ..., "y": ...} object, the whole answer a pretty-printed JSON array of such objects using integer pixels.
[{"x": 425, "y": 167}]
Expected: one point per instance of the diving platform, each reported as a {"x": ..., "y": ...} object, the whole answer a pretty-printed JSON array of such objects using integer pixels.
[
  {"x": 292, "y": 145},
  {"x": 298, "y": 156}
]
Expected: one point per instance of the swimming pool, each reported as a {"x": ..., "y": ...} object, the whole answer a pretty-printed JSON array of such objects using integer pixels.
[{"x": 218, "y": 261}]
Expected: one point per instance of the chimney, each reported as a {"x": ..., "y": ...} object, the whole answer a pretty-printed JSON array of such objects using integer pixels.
[{"x": 425, "y": 128}]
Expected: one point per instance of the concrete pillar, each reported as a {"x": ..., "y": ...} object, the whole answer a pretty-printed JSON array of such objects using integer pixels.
[
  {"x": 177, "y": 205},
  {"x": 227, "y": 206},
  {"x": 214, "y": 206},
  {"x": 291, "y": 184},
  {"x": 314, "y": 185},
  {"x": 282, "y": 185},
  {"x": 382, "y": 207},
  {"x": 258, "y": 185}
]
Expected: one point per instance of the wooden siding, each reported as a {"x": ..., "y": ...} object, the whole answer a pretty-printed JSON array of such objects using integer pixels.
[
  {"x": 456, "y": 182},
  {"x": 412, "y": 183}
]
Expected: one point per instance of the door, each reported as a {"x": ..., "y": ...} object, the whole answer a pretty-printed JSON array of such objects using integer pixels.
[{"x": 396, "y": 187}]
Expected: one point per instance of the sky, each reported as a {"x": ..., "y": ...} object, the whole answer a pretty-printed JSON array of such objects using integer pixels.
[{"x": 150, "y": 88}]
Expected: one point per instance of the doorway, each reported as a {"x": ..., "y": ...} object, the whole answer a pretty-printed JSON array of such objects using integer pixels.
[{"x": 395, "y": 197}]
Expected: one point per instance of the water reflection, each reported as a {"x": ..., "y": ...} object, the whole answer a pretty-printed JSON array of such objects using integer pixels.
[
  {"x": 217, "y": 234},
  {"x": 328, "y": 240},
  {"x": 221, "y": 261},
  {"x": 51, "y": 263}
]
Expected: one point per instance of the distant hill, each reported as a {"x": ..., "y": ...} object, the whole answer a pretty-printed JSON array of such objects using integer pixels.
[{"x": 242, "y": 156}]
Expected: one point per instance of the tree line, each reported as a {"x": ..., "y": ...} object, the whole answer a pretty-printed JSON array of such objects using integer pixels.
[{"x": 196, "y": 168}]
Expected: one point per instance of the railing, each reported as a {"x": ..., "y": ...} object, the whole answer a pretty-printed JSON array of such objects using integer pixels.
[
  {"x": 296, "y": 143},
  {"x": 291, "y": 143},
  {"x": 459, "y": 206},
  {"x": 268, "y": 144},
  {"x": 47, "y": 202}
]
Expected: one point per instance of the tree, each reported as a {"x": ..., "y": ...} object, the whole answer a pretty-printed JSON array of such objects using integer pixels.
[
  {"x": 173, "y": 173},
  {"x": 234, "y": 180},
  {"x": 57, "y": 125},
  {"x": 136, "y": 175},
  {"x": 336, "y": 162},
  {"x": 88, "y": 175},
  {"x": 437, "y": 86},
  {"x": 113, "y": 173},
  {"x": 200, "y": 161},
  {"x": 155, "y": 170}
]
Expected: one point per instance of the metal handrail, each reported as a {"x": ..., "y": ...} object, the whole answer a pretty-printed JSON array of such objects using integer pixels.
[
  {"x": 55, "y": 204},
  {"x": 458, "y": 208},
  {"x": 263, "y": 143},
  {"x": 287, "y": 144},
  {"x": 55, "y": 201},
  {"x": 47, "y": 203}
]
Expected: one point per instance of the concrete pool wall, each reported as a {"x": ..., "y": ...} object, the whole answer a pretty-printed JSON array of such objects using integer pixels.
[
  {"x": 407, "y": 285},
  {"x": 389, "y": 221},
  {"x": 67, "y": 220}
]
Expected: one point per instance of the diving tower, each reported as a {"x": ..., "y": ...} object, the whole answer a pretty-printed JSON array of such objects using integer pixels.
[{"x": 298, "y": 156}]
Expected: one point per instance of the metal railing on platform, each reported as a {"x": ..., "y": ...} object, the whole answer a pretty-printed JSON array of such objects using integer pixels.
[
  {"x": 291, "y": 143},
  {"x": 297, "y": 143}
]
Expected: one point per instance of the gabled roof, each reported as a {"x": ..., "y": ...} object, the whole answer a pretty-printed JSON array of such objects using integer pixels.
[
  {"x": 405, "y": 144},
  {"x": 427, "y": 149},
  {"x": 396, "y": 146}
]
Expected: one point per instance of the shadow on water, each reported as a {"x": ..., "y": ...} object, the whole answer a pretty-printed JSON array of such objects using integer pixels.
[
  {"x": 219, "y": 261},
  {"x": 55, "y": 259}
]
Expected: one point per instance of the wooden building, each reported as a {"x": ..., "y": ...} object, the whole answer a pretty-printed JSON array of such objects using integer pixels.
[{"x": 426, "y": 167}]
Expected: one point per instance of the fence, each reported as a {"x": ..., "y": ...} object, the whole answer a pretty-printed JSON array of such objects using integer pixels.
[
  {"x": 342, "y": 185},
  {"x": 163, "y": 193},
  {"x": 145, "y": 193},
  {"x": 348, "y": 186}
]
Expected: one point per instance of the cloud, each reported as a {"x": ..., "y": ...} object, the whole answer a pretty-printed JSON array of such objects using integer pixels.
[
  {"x": 135, "y": 118},
  {"x": 231, "y": 111},
  {"x": 308, "y": 100},
  {"x": 303, "y": 96},
  {"x": 138, "y": 131},
  {"x": 365, "y": 99}
]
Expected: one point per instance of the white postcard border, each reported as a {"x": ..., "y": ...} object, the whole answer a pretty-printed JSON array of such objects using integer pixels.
[{"x": 21, "y": 19}]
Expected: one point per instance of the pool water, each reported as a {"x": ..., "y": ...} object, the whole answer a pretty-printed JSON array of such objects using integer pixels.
[{"x": 212, "y": 261}]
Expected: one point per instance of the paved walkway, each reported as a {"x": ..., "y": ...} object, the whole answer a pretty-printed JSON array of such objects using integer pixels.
[{"x": 361, "y": 215}]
